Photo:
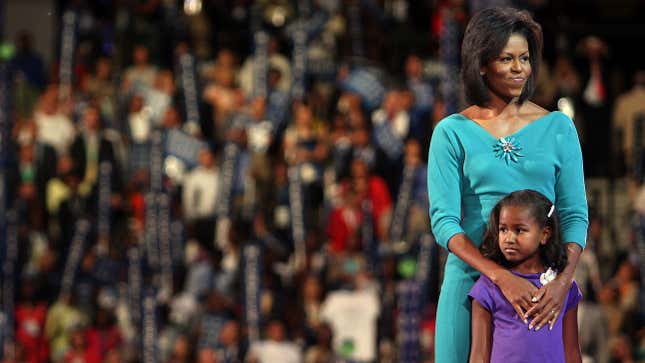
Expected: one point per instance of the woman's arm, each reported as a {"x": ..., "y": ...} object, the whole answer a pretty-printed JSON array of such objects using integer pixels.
[
  {"x": 570, "y": 336},
  {"x": 571, "y": 205},
  {"x": 481, "y": 334},
  {"x": 518, "y": 291},
  {"x": 445, "y": 176},
  {"x": 550, "y": 297}
]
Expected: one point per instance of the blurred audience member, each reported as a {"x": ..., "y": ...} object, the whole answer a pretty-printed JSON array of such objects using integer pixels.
[
  {"x": 275, "y": 347},
  {"x": 30, "y": 73},
  {"x": 100, "y": 87},
  {"x": 352, "y": 314},
  {"x": 629, "y": 109},
  {"x": 54, "y": 126},
  {"x": 89, "y": 149},
  {"x": 199, "y": 197},
  {"x": 30, "y": 318},
  {"x": 140, "y": 73}
]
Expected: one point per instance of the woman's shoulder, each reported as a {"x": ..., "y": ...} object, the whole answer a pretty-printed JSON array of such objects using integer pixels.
[
  {"x": 450, "y": 129},
  {"x": 560, "y": 124},
  {"x": 452, "y": 118},
  {"x": 534, "y": 112},
  {"x": 451, "y": 122}
]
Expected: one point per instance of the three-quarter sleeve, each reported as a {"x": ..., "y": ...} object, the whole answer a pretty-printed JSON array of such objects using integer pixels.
[
  {"x": 571, "y": 197},
  {"x": 445, "y": 159}
]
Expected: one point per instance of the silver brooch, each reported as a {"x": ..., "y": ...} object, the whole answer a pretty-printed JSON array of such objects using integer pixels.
[{"x": 507, "y": 148}]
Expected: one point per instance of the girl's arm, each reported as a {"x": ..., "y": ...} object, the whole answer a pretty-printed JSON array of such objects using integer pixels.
[
  {"x": 570, "y": 336},
  {"x": 482, "y": 334}
]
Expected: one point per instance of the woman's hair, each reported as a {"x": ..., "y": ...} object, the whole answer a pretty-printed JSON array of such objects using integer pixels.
[
  {"x": 486, "y": 36},
  {"x": 553, "y": 254}
]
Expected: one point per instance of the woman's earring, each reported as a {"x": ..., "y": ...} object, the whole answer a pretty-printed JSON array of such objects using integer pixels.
[{"x": 482, "y": 73}]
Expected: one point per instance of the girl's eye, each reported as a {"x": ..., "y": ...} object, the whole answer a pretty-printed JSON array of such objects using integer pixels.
[
  {"x": 525, "y": 59},
  {"x": 506, "y": 59}
]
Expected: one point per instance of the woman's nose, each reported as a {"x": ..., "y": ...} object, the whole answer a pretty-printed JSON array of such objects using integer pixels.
[{"x": 516, "y": 65}]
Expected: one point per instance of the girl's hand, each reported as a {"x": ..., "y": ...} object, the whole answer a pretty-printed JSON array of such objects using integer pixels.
[
  {"x": 518, "y": 291},
  {"x": 549, "y": 300}
]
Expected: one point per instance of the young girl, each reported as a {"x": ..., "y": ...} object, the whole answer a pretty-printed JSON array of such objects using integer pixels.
[{"x": 523, "y": 235}]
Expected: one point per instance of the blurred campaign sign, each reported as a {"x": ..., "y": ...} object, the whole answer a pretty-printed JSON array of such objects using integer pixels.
[
  {"x": 191, "y": 92},
  {"x": 184, "y": 147},
  {"x": 299, "y": 63},
  {"x": 252, "y": 260},
  {"x": 261, "y": 64},
  {"x": 66, "y": 62},
  {"x": 9, "y": 262},
  {"x": 408, "y": 320}
]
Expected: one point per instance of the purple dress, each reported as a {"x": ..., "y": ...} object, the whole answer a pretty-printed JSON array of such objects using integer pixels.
[{"x": 512, "y": 341}]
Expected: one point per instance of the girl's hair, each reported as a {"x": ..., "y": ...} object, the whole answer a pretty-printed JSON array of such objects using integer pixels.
[
  {"x": 486, "y": 36},
  {"x": 553, "y": 254}
]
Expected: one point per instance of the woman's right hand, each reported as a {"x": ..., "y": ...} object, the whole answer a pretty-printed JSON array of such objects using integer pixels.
[{"x": 518, "y": 291}]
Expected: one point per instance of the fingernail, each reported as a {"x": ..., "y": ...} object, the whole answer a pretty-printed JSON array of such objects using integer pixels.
[
  {"x": 526, "y": 321},
  {"x": 538, "y": 328},
  {"x": 550, "y": 327},
  {"x": 530, "y": 327},
  {"x": 533, "y": 299}
]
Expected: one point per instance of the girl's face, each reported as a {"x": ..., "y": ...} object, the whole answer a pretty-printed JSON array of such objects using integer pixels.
[
  {"x": 520, "y": 237},
  {"x": 507, "y": 74}
]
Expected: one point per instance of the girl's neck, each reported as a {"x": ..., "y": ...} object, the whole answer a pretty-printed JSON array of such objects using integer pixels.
[{"x": 529, "y": 266}]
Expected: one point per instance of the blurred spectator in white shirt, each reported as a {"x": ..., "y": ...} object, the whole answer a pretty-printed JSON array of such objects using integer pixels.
[
  {"x": 276, "y": 60},
  {"x": 275, "y": 348},
  {"x": 140, "y": 72},
  {"x": 54, "y": 127}
]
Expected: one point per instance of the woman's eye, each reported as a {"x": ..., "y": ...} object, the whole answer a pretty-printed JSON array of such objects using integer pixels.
[{"x": 525, "y": 59}]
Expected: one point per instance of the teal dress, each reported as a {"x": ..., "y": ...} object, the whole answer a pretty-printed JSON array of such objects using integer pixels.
[{"x": 469, "y": 170}]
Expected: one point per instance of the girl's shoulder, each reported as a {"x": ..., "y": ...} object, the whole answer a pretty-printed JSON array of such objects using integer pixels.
[
  {"x": 574, "y": 296},
  {"x": 486, "y": 293},
  {"x": 484, "y": 282}
]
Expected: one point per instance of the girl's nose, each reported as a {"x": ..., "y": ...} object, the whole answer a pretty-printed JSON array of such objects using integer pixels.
[{"x": 510, "y": 238}]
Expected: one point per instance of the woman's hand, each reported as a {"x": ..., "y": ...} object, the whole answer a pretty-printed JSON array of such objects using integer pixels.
[
  {"x": 519, "y": 292},
  {"x": 548, "y": 303}
]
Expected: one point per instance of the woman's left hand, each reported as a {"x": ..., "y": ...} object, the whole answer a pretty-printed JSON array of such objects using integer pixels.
[{"x": 549, "y": 300}]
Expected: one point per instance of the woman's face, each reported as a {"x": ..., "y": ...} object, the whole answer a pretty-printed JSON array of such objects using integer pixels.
[{"x": 507, "y": 74}]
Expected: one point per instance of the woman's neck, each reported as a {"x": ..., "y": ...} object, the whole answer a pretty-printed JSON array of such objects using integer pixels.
[{"x": 501, "y": 108}]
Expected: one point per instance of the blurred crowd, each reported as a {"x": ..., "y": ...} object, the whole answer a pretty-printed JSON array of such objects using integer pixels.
[{"x": 326, "y": 183}]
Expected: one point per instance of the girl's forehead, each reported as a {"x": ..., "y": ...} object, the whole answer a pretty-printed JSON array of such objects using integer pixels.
[{"x": 517, "y": 212}]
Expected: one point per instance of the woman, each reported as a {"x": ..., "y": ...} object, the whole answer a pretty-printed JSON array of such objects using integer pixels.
[{"x": 501, "y": 143}]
